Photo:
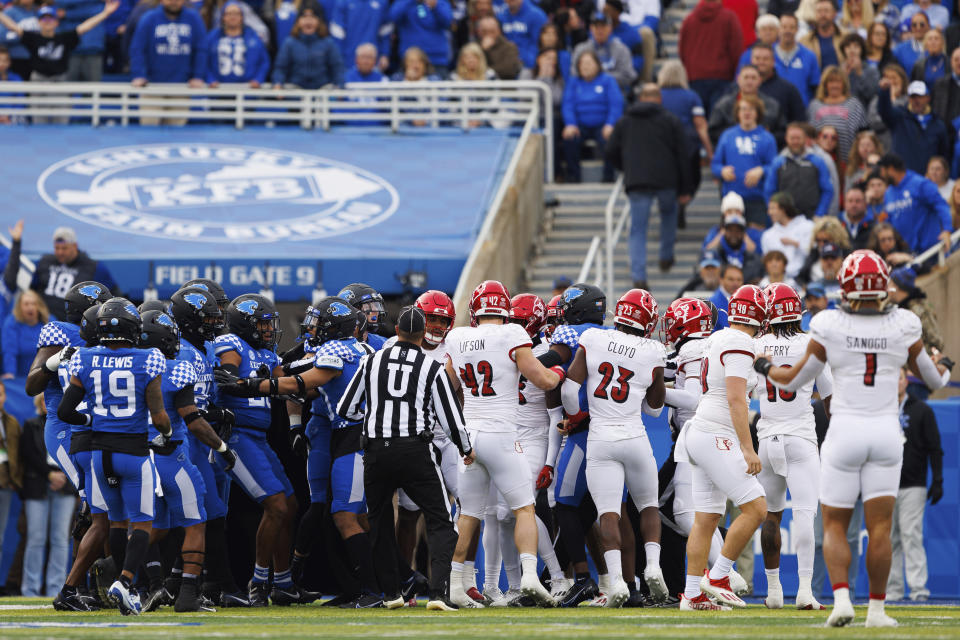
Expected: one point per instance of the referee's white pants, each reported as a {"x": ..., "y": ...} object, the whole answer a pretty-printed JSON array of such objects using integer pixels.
[
  {"x": 907, "y": 539},
  {"x": 611, "y": 464},
  {"x": 500, "y": 462}
]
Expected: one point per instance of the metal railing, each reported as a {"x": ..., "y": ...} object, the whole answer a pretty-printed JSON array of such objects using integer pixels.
[
  {"x": 937, "y": 250},
  {"x": 594, "y": 260},
  {"x": 395, "y": 104},
  {"x": 601, "y": 263}
]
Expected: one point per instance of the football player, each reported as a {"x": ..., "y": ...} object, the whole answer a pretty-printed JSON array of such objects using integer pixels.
[
  {"x": 788, "y": 447},
  {"x": 623, "y": 374},
  {"x": 865, "y": 342},
  {"x": 486, "y": 361},
  {"x": 181, "y": 504},
  {"x": 369, "y": 302},
  {"x": 213, "y": 287},
  {"x": 717, "y": 443},
  {"x": 121, "y": 384},
  {"x": 48, "y": 374}
]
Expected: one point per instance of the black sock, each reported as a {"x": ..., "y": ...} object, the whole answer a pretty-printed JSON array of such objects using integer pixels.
[
  {"x": 583, "y": 576},
  {"x": 571, "y": 533},
  {"x": 404, "y": 572},
  {"x": 310, "y": 530},
  {"x": 216, "y": 559},
  {"x": 136, "y": 550},
  {"x": 632, "y": 587},
  {"x": 118, "y": 546},
  {"x": 67, "y": 590},
  {"x": 361, "y": 557},
  {"x": 154, "y": 568},
  {"x": 298, "y": 564}
]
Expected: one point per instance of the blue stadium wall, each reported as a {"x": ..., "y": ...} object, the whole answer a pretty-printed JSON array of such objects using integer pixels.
[{"x": 258, "y": 206}]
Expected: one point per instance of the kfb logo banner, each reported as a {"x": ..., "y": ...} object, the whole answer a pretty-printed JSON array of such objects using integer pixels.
[{"x": 217, "y": 193}]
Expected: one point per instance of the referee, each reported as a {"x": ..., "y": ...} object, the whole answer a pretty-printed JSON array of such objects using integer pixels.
[{"x": 398, "y": 393}]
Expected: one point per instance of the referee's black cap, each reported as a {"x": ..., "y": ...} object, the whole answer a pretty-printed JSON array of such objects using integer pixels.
[{"x": 411, "y": 321}]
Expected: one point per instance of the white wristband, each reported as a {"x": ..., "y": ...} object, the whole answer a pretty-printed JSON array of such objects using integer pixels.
[
  {"x": 53, "y": 360},
  {"x": 296, "y": 421},
  {"x": 222, "y": 448}
]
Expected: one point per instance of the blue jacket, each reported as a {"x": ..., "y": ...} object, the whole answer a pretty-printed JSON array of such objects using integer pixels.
[
  {"x": 743, "y": 151},
  {"x": 915, "y": 138},
  {"x": 75, "y": 12},
  {"x": 418, "y": 26},
  {"x": 284, "y": 17},
  {"x": 165, "y": 50},
  {"x": 356, "y": 22},
  {"x": 917, "y": 211},
  {"x": 523, "y": 29},
  {"x": 907, "y": 54},
  {"x": 592, "y": 103},
  {"x": 308, "y": 62},
  {"x": 353, "y": 75},
  {"x": 19, "y": 345},
  {"x": 234, "y": 59},
  {"x": 771, "y": 182},
  {"x": 118, "y": 18},
  {"x": 802, "y": 70},
  {"x": 630, "y": 36},
  {"x": 26, "y": 20},
  {"x": 719, "y": 300}
]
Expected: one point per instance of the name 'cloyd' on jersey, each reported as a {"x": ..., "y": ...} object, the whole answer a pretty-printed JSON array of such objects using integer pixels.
[{"x": 620, "y": 368}]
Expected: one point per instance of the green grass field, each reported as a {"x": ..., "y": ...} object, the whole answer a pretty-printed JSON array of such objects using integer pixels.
[{"x": 23, "y": 618}]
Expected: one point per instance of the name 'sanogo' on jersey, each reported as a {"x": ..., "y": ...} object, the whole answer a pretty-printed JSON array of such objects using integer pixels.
[
  {"x": 343, "y": 356},
  {"x": 483, "y": 358},
  {"x": 620, "y": 368},
  {"x": 569, "y": 334},
  {"x": 727, "y": 353},
  {"x": 865, "y": 353},
  {"x": 59, "y": 334},
  {"x": 786, "y": 412},
  {"x": 249, "y": 412},
  {"x": 115, "y": 383}
]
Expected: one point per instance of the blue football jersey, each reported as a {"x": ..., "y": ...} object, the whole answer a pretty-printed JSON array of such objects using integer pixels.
[
  {"x": 343, "y": 356},
  {"x": 376, "y": 341},
  {"x": 179, "y": 374},
  {"x": 58, "y": 334},
  {"x": 203, "y": 387},
  {"x": 320, "y": 406},
  {"x": 569, "y": 334},
  {"x": 250, "y": 412},
  {"x": 115, "y": 381}
]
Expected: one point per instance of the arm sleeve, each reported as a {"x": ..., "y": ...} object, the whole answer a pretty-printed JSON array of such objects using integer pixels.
[
  {"x": 770, "y": 178},
  {"x": 929, "y": 372},
  {"x": 263, "y": 64},
  {"x": 282, "y": 62},
  {"x": 567, "y": 106},
  {"x": 12, "y": 268},
  {"x": 613, "y": 150},
  {"x": 554, "y": 437},
  {"x": 208, "y": 59},
  {"x": 719, "y": 155},
  {"x": 811, "y": 369},
  {"x": 570, "y": 395},
  {"x": 350, "y": 406},
  {"x": 825, "y": 383},
  {"x": 687, "y": 397},
  {"x": 886, "y": 109},
  {"x": 67, "y": 411},
  {"x": 138, "y": 49},
  {"x": 184, "y": 397},
  {"x": 449, "y": 413}
]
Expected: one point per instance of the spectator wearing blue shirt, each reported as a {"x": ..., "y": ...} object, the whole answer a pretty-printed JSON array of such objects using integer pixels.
[
  {"x": 614, "y": 56},
  {"x": 355, "y": 22},
  {"x": 114, "y": 53},
  {"x": 814, "y": 301},
  {"x": 936, "y": 13},
  {"x": 933, "y": 65},
  {"x": 522, "y": 21},
  {"x": 234, "y": 52},
  {"x": 741, "y": 157},
  {"x": 768, "y": 31},
  {"x": 914, "y": 206},
  {"x": 824, "y": 38},
  {"x": 911, "y": 48},
  {"x": 424, "y": 24},
  {"x": 7, "y": 76},
  {"x": 309, "y": 58},
  {"x": 364, "y": 68},
  {"x": 20, "y": 332},
  {"x": 24, "y": 13},
  {"x": 86, "y": 61},
  {"x": 592, "y": 104},
  {"x": 918, "y": 133},
  {"x": 284, "y": 17},
  {"x": 794, "y": 62},
  {"x": 628, "y": 35},
  {"x": 731, "y": 279}
]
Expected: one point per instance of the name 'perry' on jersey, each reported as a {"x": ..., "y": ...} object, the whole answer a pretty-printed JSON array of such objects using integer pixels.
[
  {"x": 115, "y": 381},
  {"x": 483, "y": 358},
  {"x": 787, "y": 412},
  {"x": 728, "y": 352},
  {"x": 620, "y": 368},
  {"x": 865, "y": 353}
]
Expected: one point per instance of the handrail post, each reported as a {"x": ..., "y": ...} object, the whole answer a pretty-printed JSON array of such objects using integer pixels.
[{"x": 608, "y": 225}]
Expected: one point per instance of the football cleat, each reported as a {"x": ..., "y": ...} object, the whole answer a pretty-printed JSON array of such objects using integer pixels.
[
  {"x": 104, "y": 573},
  {"x": 841, "y": 615},
  {"x": 774, "y": 599},
  {"x": 474, "y": 594},
  {"x": 559, "y": 587},
  {"x": 580, "y": 591},
  {"x": 653, "y": 576},
  {"x": 259, "y": 594},
  {"x": 497, "y": 598},
  {"x": 720, "y": 590},
  {"x": 158, "y": 598},
  {"x": 285, "y": 596},
  {"x": 190, "y": 600},
  {"x": 393, "y": 603},
  {"x": 880, "y": 619},
  {"x": 336, "y": 601},
  {"x": 806, "y": 602},
  {"x": 237, "y": 599},
  {"x": 531, "y": 586},
  {"x": 635, "y": 601},
  {"x": 70, "y": 602},
  {"x": 738, "y": 584},
  {"x": 522, "y": 601},
  {"x": 618, "y": 594},
  {"x": 441, "y": 604},
  {"x": 415, "y": 585},
  {"x": 365, "y": 601},
  {"x": 700, "y": 603},
  {"x": 125, "y": 599},
  {"x": 460, "y": 598}
]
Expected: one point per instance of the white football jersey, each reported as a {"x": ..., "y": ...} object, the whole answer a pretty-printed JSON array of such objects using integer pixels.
[
  {"x": 865, "y": 353},
  {"x": 728, "y": 352},
  {"x": 438, "y": 353},
  {"x": 689, "y": 359},
  {"x": 483, "y": 359},
  {"x": 532, "y": 418},
  {"x": 787, "y": 412},
  {"x": 620, "y": 368}
]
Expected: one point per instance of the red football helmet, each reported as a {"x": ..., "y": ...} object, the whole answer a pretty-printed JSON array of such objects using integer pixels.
[
  {"x": 687, "y": 318},
  {"x": 637, "y": 308},
  {"x": 864, "y": 276},
  {"x": 783, "y": 303},
  {"x": 553, "y": 316},
  {"x": 529, "y": 311},
  {"x": 440, "y": 312},
  {"x": 747, "y": 306},
  {"x": 490, "y": 298}
]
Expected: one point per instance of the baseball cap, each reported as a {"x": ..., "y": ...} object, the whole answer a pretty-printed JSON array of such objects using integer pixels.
[
  {"x": 904, "y": 277},
  {"x": 599, "y": 17},
  {"x": 412, "y": 320},
  {"x": 816, "y": 290},
  {"x": 46, "y": 12},
  {"x": 732, "y": 200},
  {"x": 917, "y": 88},
  {"x": 709, "y": 259},
  {"x": 735, "y": 218},
  {"x": 830, "y": 250},
  {"x": 65, "y": 234}
]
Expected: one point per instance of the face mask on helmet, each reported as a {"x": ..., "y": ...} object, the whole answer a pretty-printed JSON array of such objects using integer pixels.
[
  {"x": 437, "y": 329},
  {"x": 308, "y": 326},
  {"x": 268, "y": 328}
]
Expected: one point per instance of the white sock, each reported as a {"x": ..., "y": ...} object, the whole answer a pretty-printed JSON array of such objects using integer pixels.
[
  {"x": 508, "y": 550},
  {"x": 547, "y": 554},
  {"x": 806, "y": 585},
  {"x": 652, "y": 550},
  {"x": 614, "y": 569},
  {"x": 528, "y": 564},
  {"x": 773, "y": 579},
  {"x": 469, "y": 576},
  {"x": 692, "y": 588},
  {"x": 842, "y": 596},
  {"x": 875, "y": 606},
  {"x": 721, "y": 568},
  {"x": 604, "y": 581},
  {"x": 456, "y": 575},
  {"x": 491, "y": 552}
]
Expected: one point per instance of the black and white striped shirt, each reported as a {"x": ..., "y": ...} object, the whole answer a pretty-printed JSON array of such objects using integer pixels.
[{"x": 400, "y": 392}]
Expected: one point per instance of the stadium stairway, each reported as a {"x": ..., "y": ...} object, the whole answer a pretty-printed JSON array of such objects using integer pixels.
[{"x": 577, "y": 215}]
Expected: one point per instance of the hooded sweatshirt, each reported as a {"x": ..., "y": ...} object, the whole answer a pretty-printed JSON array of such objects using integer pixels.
[
  {"x": 649, "y": 145},
  {"x": 711, "y": 42}
]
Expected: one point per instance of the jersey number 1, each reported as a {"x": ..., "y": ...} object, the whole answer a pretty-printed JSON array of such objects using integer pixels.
[
  {"x": 618, "y": 394},
  {"x": 870, "y": 371}
]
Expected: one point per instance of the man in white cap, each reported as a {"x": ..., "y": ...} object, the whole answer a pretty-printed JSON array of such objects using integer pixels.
[
  {"x": 918, "y": 133},
  {"x": 732, "y": 205},
  {"x": 57, "y": 272}
]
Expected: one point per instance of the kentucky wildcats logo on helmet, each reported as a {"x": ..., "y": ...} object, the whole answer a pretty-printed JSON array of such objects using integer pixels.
[
  {"x": 248, "y": 307},
  {"x": 132, "y": 310},
  {"x": 165, "y": 320},
  {"x": 572, "y": 294},
  {"x": 339, "y": 310},
  {"x": 195, "y": 300},
  {"x": 217, "y": 193},
  {"x": 346, "y": 294},
  {"x": 91, "y": 291}
]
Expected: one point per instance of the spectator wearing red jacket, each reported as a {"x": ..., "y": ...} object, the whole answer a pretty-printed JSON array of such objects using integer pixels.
[
  {"x": 711, "y": 41},
  {"x": 747, "y": 13}
]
